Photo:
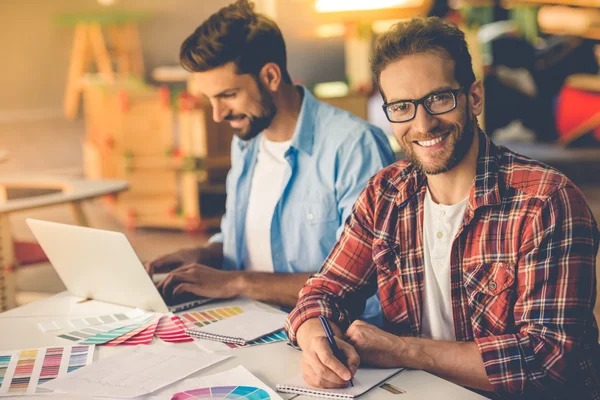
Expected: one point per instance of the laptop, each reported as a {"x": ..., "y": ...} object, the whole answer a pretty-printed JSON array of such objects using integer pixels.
[{"x": 101, "y": 265}]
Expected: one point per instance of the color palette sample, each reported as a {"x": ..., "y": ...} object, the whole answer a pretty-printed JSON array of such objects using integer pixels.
[
  {"x": 224, "y": 392},
  {"x": 207, "y": 317},
  {"x": 103, "y": 333},
  {"x": 51, "y": 366},
  {"x": 272, "y": 338},
  {"x": 78, "y": 323},
  {"x": 4, "y": 363},
  {"x": 144, "y": 337},
  {"x": 115, "y": 333},
  {"x": 210, "y": 316},
  {"x": 212, "y": 346},
  {"x": 139, "y": 335},
  {"x": 171, "y": 329},
  {"x": 21, "y": 371}
]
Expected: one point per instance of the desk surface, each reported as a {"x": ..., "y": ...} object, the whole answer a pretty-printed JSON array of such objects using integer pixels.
[{"x": 272, "y": 364}]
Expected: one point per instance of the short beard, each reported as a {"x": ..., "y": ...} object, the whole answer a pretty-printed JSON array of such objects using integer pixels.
[
  {"x": 257, "y": 124},
  {"x": 461, "y": 148}
]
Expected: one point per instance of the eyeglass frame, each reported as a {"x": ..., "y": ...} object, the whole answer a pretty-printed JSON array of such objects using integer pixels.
[{"x": 453, "y": 92}]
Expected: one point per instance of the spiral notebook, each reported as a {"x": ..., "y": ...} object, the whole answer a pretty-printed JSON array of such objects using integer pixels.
[
  {"x": 242, "y": 328},
  {"x": 364, "y": 380}
]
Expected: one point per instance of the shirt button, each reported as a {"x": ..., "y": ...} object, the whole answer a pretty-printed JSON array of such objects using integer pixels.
[
  {"x": 440, "y": 235},
  {"x": 309, "y": 217},
  {"x": 442, "y": 212},
  {"x": 492, "y": 285}
]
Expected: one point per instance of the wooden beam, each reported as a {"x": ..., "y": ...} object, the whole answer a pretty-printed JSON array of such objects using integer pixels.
[{"x": 369, "y": 16}]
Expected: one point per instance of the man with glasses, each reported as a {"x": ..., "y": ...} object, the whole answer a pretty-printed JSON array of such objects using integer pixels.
[{"x": 484, "y": 259}]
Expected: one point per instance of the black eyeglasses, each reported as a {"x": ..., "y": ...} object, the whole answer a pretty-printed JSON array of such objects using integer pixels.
[{"x": 434, "y": 103}]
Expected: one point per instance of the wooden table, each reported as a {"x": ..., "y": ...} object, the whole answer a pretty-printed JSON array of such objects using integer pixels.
[{"x": 65, "y": 191}]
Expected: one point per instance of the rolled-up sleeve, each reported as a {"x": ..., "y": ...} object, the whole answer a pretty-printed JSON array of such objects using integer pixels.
[
  {"x": 348, "y": 277},
  {"x": 555, "y": 296}
]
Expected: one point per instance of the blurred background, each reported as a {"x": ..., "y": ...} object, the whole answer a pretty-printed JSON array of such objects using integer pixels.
[{"x": 99, "y": 125}]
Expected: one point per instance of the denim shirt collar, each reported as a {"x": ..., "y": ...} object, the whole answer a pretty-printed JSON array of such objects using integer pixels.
[
  {"x": 305, "y": 126},
  {"x": 303, "y": 136}
]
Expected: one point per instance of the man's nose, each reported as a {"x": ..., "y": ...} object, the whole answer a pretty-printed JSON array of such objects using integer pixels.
[
  {"x": 423, "y": 121},
  {"x": 219, "y": 111}
]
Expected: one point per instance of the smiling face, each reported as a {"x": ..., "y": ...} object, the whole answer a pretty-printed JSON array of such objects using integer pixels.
[
  {"x": 434, "y": 143},
  {"x": 240, "y": 99}
]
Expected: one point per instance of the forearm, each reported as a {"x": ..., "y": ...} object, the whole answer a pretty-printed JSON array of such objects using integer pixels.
[
  {"x": 274, "y": 288},
  {"x": 212, "y": 255},
  {"x": 458, "y": 362}
]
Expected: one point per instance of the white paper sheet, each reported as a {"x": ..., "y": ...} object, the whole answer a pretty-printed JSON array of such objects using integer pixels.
[
  {"x": 134, "y": 372},
  {"x": 238, "y": 376}
]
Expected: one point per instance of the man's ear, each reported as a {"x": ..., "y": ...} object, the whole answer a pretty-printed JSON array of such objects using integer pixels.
[
  {"x": 270, "y": 76},
  {"x": 475, "y": 95}
]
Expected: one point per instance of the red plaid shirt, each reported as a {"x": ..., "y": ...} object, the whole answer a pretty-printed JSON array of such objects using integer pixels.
[{"x": 523, "y": 278}]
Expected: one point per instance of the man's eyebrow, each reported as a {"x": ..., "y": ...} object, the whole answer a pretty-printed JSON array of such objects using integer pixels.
[
  {"x": 225, "y": 92},
  {"x": 435, "y": 91}
]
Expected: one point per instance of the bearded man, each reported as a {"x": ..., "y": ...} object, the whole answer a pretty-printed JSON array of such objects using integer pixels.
[
  {"x": 484, "y": 259},
  {"x": 298, "y": 166}
]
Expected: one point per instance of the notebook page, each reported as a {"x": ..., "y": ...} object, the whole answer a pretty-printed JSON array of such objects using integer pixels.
[
  {"x": 364, "y": 380},
  {"x": 249, "y": 325}
]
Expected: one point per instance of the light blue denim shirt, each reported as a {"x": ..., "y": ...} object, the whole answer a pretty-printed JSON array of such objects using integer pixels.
[{"x": 331, "y": 157}]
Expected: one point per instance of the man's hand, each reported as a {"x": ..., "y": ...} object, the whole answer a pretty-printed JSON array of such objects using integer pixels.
[
  {"x": 374, "y": 346},
  {"x": 320, "y": 368},
  {"x": 202, "y": 281},
  {"x": 169, "y": 262}
]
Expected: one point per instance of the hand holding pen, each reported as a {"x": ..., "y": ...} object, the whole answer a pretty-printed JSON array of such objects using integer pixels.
[{"x": 339, "y": 354}]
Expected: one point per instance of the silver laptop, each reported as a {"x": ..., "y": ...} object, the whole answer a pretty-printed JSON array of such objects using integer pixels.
[{"x": 102, "y": 265}]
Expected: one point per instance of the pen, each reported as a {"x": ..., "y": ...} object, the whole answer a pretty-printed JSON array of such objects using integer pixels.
[{"x": 336, "y": 350}]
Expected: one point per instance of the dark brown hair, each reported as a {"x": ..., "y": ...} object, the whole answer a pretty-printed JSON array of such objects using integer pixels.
[
  {"x": 235, "y": 34},
  {"x": 420, "y": 35}
]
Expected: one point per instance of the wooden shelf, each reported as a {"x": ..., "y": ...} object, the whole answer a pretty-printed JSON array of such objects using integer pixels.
[
  {"x": 578, "y": 3},
  {"x": 472, "y": 3},
  {"x": 593, "y": 33}
]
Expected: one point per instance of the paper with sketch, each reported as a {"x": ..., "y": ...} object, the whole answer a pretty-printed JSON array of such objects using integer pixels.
[
  {"x": 134, "y": 372},
  {"x": 238, "y": 376},
  {"x": 364, "y": 380}
]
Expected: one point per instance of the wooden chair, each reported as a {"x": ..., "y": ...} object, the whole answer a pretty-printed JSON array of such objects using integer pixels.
[{"x": 59, "y": 191}]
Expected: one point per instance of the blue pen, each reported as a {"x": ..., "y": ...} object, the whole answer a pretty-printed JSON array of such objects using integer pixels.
[{"x": 336, "y": 350}]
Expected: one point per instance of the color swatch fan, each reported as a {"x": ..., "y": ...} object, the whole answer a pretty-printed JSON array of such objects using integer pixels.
[{"x": 224, "y": 392}]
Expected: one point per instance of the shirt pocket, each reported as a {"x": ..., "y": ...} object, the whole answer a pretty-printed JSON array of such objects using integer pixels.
[
  {"x": 392, "y": 295},
  {"x": 315, "y": 213},
  {"x": 309, "y": 233},
  {"x": 491, "y": 295}
]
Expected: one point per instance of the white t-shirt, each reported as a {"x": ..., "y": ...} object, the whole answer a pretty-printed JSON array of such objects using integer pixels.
[
  {"x": 440, "y": 226},
  {"x": 265, "y": 191}
]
